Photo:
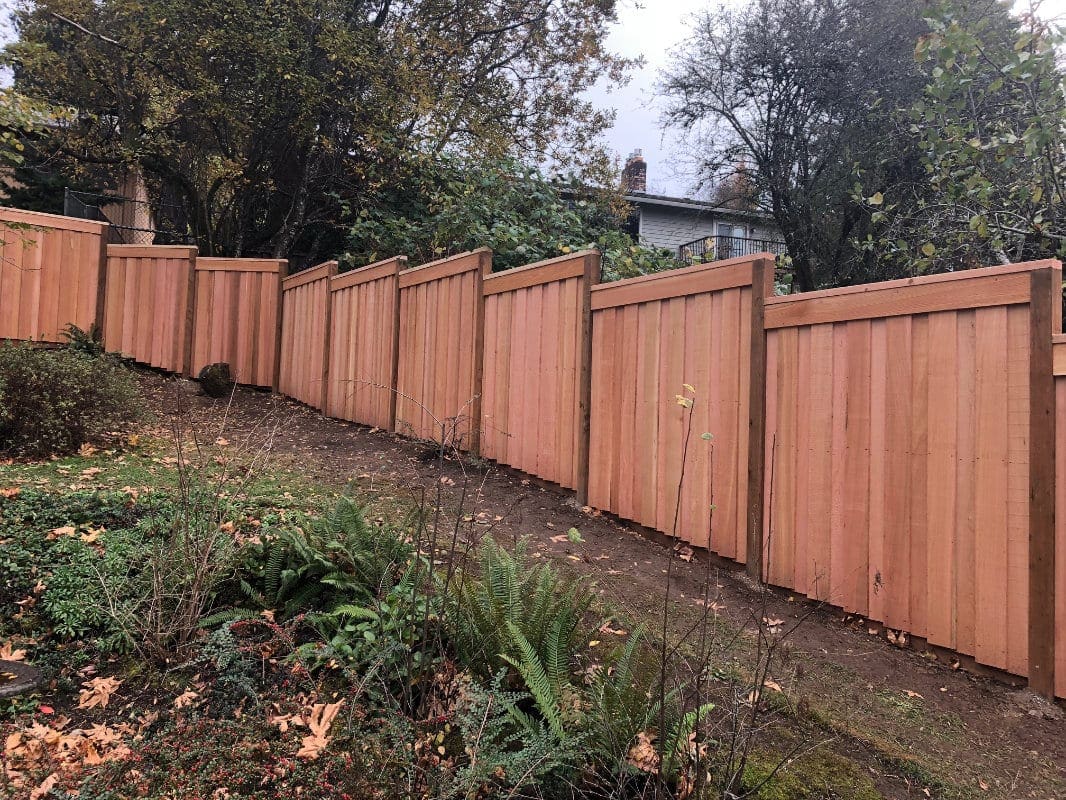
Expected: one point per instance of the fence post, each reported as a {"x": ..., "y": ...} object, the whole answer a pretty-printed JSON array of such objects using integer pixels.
[
  {"x": 762, "y": 286},
  {"x": 1045, "y": 318},
  {"x": 101, "y": 282},
  {"x": 484, "y": 268},
  {"x": 190, "y": 316},
  {"x": 283, "y": 271},
  {"x": 591, "y": 277}
]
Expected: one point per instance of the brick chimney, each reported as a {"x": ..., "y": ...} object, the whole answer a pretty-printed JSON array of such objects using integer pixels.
[{"x": 635, "y": 174}]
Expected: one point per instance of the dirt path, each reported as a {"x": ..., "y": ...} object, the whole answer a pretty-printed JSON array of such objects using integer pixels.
[{"x": 921, "y": 728}]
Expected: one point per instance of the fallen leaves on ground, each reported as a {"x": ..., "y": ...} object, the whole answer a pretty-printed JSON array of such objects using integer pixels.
[
  {"x": 42, "y": 746},
  {"x": 9, "y": 653},
  {"x": 643, "y": 754},
  {"x": 318, "y": 721},
  {"x": 97, "y": 692},
  {"x": 185, "y": 699}
]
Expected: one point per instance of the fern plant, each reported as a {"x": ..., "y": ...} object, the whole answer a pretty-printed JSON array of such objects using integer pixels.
[
  {"x": 512, "y": 611},
  {"x": 341, "y": 557}
]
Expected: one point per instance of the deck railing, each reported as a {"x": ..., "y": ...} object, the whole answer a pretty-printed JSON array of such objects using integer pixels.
[{"x": 717, "y": 248}]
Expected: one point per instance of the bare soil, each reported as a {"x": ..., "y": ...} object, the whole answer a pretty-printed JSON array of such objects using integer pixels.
[{"x": 920, "y": 727}]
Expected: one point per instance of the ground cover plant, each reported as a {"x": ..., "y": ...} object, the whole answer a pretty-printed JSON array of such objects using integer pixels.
[
  {"x": 56, "y": 400},
  {"x": 211, "y": 626}
]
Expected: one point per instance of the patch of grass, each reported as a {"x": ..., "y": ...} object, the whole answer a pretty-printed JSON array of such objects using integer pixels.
[{"x": 813, "y": 776}]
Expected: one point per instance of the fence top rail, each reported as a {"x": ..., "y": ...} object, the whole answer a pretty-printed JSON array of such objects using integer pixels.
[
  {"x": 39, "y": 219},
  {"x": 151, "y": 251},
  {"x": 320, "y": 272},
  {"x": 975, "y": 288},
  {"x": 698, "y": 279},
  {"x": 278, "y": 265},
  {"x": 390, "y": 267},
  {"x": 1058, "y": 355},
  {"x": 446, "y": 267},
  {"x": 584, "y": 263}
]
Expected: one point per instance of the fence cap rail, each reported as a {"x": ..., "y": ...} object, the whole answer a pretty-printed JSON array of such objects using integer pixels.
[
  {"x": 151, "y": 251},
  {"x": 319, "y": 272},
  {"x": 584, "y": 263},
  {"x": 446, "y": 267},
  {"x": 390, "y": 267},
  {"x": 218, "y": 264},
  {"x": 976, "y": 288},
  {"x": 17, "y": 215},
  {"x": 697, "y": 279}
]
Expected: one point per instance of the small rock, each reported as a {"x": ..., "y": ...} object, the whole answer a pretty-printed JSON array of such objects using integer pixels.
[{"x": 216, "y": 380}]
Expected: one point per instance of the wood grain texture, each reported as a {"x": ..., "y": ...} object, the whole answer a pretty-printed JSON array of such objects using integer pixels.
[
  {"x": 237, "y": 315},
  {"x": 50, "y": 274},
  {"x": 651, "y": 336},
  {"x": 305, "y": 335},
  {"x": 535, "y": 367},
  {"x": 441, "y": 338},
  {"x": 364, "y": 318},
  {"x": 911, "y": 491},
  {"x": 146, "y": 305}
]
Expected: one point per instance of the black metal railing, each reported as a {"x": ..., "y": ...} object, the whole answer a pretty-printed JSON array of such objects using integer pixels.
[{"x": 716, "y": 248}]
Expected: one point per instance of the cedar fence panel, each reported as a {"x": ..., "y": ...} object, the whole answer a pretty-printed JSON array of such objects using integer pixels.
[
  {"x": 898, "y": 437},
  {"x": 650, "y": 336},
  {"x": 535, "y": 403},
  {"x": 1059, "y": 604},
  {"x": 148, "y": 304},
  {"x": 50, "y": 274},
  {"x": 440, "y": 349},
  {"x": 305, "y": 334},
  {"x": 237, "y": 317},
  {"x": 363, "y": 333}
]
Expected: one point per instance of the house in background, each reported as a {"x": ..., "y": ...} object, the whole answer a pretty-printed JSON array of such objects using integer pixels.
[{"x": 696, "y": 230}]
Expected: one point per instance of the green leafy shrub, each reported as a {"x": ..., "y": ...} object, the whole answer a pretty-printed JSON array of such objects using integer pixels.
[
  {"x": 89, "y": 342},
  {"x": 513, "y": 609},
  {"x": 339, "y": 558},
  {"x": 53, "y": 401},
  {"x": 450, "y": 204}
]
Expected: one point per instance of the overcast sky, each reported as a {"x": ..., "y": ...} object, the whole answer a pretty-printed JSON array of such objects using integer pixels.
[{"x": 653, "y": 29}]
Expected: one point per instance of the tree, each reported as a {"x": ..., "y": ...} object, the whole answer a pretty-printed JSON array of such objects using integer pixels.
[
  {"x": 802, "y": 93},
  {"x": 991, "y": 127},
  {"x": 255, "y": 119},
  {"x": 446, "y": 205}
]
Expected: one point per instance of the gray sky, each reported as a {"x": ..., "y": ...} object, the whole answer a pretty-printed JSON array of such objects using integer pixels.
[{"x": 653, "y": 29}]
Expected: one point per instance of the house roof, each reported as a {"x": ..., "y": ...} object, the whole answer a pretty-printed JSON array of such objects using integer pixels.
[{"x": 645, "y": 199}]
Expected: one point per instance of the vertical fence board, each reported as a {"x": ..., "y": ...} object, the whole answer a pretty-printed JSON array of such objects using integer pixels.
[
  {"x": 49, "y": 274},
  {"x": 534, "y": 365},
  {"x": 146, "y": 306},
  {"x": 305, "y": 335},
  {"x": 236, "y": 318},
  {"x": 362, "y": 357}
]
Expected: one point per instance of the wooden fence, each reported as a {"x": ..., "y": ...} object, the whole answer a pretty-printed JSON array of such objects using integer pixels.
[
  {"x": 305, "y": 339},
  {"x": 438, "y": 378},
  {"x": 149, "y": 304},
  {"x": 50, "y": 274},
  {"x": 535, "y": 407},
  {"x": 237, "y": 317},
  {"x": 908, "y": 459},
  {"x": 365, "y": 329},
  {"x": 896, "y": 449},
  {"x": 1058, "y": 604},
  {"x": 650, "y": 337}
]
